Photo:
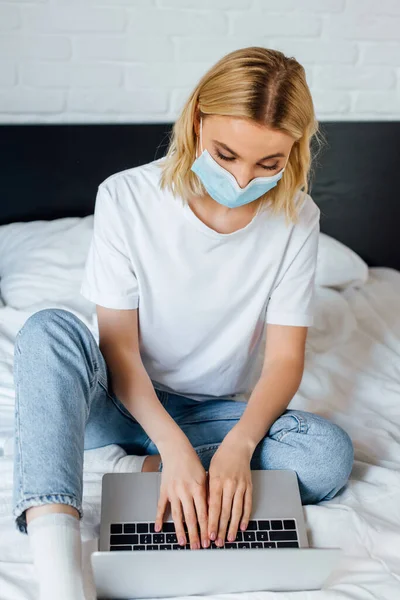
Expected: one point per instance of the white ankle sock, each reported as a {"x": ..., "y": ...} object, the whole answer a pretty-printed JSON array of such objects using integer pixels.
[
  {"x": 112, "y": 459},
  {"x": 55, "y": 540}
]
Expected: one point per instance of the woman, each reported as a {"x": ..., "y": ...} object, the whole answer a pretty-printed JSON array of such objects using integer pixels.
[{"x": 208, "y": 245}]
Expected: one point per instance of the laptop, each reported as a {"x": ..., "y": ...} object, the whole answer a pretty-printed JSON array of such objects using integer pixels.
[{"x": 273, "y": 554}]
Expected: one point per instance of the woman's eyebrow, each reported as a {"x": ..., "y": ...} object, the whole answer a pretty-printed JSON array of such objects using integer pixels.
[{"x": 237, "y": 155}]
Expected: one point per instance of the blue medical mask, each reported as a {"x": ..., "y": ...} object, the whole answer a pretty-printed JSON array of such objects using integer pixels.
[{"x": 222, "y": 185}]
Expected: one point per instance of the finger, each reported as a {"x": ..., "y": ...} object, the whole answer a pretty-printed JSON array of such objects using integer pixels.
[
  {"x": 191, "y": 520},
  {"x": 200, "y": 501},
  {"x": 161, "y": 506},
  {"x": 214, "y": 508},
  {"x": 227, "y": 495},
  {"x": 237, "y": 509},
  {"x": 248, "y": 500},
  {"x": 176, "y": 512}
]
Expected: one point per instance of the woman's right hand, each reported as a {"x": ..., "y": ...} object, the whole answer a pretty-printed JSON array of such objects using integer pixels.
[{"x": 184, "y": 485}]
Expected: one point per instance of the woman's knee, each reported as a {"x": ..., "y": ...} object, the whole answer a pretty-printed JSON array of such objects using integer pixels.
[
  {"x": 43, "y": 321},
  {"x": 56, "y": 325},
  {"x": 331, "y": 461},
  {"x": 339, "y": 452},
  {"x": 318, "y": 450},
  {"x": 329, "y": 446},
  {"x": 62, "y": 338}
]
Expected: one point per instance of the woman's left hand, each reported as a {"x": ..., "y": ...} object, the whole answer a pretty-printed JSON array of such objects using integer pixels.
[{"x": 229, "y": 489}]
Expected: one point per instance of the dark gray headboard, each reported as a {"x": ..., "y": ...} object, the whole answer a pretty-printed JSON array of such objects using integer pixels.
[{"x": 52, "y": 171}]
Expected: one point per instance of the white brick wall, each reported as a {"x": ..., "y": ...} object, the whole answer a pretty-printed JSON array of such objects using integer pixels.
[{"x": 137, "y": 60}]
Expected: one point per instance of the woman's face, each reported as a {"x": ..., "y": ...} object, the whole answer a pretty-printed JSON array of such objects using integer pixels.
[{"x": 244, "y": 148}]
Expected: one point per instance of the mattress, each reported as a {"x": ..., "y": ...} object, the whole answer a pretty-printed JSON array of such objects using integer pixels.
[{"x": 351, "y": 376}]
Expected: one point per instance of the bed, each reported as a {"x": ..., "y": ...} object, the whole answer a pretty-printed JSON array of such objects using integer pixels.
[{"x": 49, "y": 175}]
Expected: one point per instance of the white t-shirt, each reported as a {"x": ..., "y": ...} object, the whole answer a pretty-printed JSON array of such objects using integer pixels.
[{"x": 204, "y": 297}]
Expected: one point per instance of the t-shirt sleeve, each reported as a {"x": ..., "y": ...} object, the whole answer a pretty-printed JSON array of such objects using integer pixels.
[
  {"x": 292, "y": 300},
  {"x": 109, "y": 278}
]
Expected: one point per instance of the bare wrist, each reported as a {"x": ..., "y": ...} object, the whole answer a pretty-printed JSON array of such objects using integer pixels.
[
  {"x": 240, "y": 439},
  {"x": 172, "y": 443}
]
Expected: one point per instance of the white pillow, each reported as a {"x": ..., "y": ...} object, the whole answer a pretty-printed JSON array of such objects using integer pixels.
[
  {"x": 338, "y": 266},
  {"x": 43, "y": 261}
]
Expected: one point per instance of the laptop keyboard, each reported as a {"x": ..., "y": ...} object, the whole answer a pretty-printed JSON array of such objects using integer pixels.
[{"x": 272, "y": 533}]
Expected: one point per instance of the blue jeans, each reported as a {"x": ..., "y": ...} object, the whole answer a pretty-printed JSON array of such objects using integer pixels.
[{"x": 64, "y": 406}]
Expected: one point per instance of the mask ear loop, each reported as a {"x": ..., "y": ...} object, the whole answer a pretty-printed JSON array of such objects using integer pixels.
[
  {"x": 287, "y": 160},
  {"x": 201, "y": 136}
]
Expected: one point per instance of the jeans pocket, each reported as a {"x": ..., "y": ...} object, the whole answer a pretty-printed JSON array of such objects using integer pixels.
[{"x": 289, "y": 422}]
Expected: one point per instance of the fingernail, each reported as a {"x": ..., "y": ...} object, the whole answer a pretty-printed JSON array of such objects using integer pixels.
[
  {"x": 231, "y": 538},
  {"x": 220, "y": 542},
  {"x": 243, "y": 527},
  {"x": 205, "y": 543},
  {"x": 212, "y": 536},
  {"x": 157, "y": 527},
  {"x": 182, "y": 541}
]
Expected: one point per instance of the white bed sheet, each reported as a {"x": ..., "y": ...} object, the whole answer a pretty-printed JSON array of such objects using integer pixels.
[{"x": 352, "y": 376}]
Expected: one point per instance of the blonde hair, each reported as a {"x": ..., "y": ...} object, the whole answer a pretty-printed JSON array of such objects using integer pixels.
[{"x": 256, "y": 83}]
